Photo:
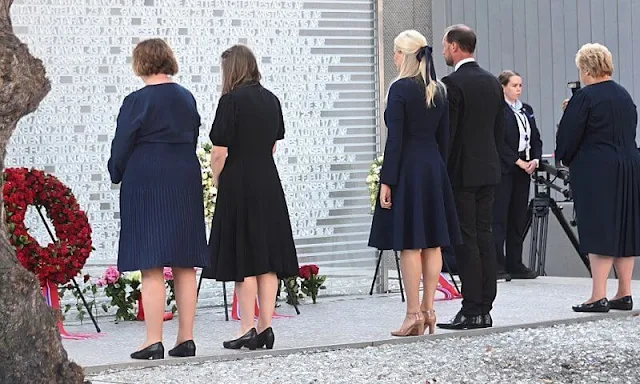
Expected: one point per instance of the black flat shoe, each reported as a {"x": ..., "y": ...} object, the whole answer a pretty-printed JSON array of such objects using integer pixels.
[
  {"x": 601, "y": 305},
  {"x": 622, "y": 304},
  {"x": 153, "y": 352},
  {"x": 266, "y": 339},
  {"x": 464, "y": 322},
  {"x": 487, "y": 320},
  {"x": 185, "y": 349},
  {"x": 249, "y": 340}
]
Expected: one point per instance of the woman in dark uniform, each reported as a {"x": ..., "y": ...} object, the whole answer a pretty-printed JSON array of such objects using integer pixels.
[
  {"x": 520, "y": 156},
  {"x": 596, "y": 139}
]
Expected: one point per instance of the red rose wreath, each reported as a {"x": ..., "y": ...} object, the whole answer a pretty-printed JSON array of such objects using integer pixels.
[{"x": 62, "y": 260}]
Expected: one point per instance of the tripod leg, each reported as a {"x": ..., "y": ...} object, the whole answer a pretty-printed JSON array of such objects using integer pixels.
[
  {"x": 533, "y": 250},
  {"x": 199, "y": 285},
  {"x": 93, "y": 319},
  {"x": 543, "y": 244},
  {"x": 224, "y": 299},
  {"x": 399, "y": 275},
  {"x": 290, "y": 294},
  {"x": 375, "y": 275},
  {"x": 446, "y": 265},
  {"x": 529, "y": 221},
  {"x": 572, "y": 237}
]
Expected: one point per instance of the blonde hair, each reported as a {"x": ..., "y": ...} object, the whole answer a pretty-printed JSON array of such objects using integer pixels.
[
  {"x": 595, "y": 59},
  {"x": 409, "y": 43}
]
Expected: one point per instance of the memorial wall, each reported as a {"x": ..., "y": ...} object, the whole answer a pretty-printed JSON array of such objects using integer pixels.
[{"x": 318, "y": 57}]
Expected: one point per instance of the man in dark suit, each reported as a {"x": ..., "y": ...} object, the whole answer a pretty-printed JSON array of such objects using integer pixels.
[{"x": 476, "y": 105}]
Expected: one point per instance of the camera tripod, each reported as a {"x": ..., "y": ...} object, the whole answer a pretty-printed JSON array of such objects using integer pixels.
[{"x": 538, "y": 223}]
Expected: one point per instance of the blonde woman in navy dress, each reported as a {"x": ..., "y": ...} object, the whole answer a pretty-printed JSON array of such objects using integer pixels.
[
  {"x": 153, "y": 156},
  {"x": 416, "y": 212}
]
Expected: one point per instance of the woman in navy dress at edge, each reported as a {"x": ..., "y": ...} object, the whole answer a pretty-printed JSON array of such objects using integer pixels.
[
  {"x": 153, "y": 155},
  {"x": 596, "y": 139},
  {"x": 416, "y": 213},
  {"x": 251, "y": 241}
]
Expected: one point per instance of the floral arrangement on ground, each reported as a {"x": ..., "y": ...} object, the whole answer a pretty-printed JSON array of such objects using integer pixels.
[
  {"x": 308, "y": 282},
  {"x": 373, "y": 181},
  {"x": 123, "y": 291}
]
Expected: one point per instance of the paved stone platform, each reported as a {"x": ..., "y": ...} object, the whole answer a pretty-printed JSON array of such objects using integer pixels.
[{"x": 339, "y": 322}]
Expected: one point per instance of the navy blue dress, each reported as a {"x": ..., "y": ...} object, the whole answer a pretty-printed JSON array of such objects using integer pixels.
[
  {"x": 596, "y": 139},
  {"x": 251, "y": 230},
  {"x": 423, "y": 212},
  {"x": 161, "y": 204}
]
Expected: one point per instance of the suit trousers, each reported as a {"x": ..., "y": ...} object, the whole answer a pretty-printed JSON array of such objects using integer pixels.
[
  {"x": 476, "y": 258},
  {"x": 510, "y": 218}
]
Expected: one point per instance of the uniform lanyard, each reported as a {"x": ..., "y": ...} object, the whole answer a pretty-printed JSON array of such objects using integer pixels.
[{"x": 524, "y": 127}]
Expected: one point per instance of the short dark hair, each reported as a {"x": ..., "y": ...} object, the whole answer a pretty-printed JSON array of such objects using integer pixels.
[
  {"x": 154, "y": 57},
  {"x": 464, "y": 36}
]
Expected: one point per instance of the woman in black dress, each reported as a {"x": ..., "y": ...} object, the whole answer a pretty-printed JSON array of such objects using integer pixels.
[
  {"x": 416, "y": 212},
  {"x": 520, "y": 155},
  {"x": 153, "y": 155},
  {"x": 596, "y": 139},
  {"x": 251, "y": 241}
]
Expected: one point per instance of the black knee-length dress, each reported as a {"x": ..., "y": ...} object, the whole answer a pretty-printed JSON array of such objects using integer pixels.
[{"x": 251, "y": 231}]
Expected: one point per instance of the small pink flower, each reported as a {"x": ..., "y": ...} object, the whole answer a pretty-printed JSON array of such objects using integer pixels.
[
  {"x": 168, "y": 273},
  {"x": 112, "y": 275},
  {"x": 101, "y": 282}
]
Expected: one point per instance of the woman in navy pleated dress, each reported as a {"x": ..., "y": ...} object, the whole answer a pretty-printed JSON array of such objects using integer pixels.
[
  {"x": 416, "y": 213},
  {"x": 153, "y": 156},
  {"x": 597, "y": 140}
]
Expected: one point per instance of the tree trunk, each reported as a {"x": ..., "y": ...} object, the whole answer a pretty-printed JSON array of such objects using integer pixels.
[{"x": 30, "y": 345}]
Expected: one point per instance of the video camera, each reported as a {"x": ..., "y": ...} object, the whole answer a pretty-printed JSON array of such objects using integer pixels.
[{"x": 553, "y": 173}]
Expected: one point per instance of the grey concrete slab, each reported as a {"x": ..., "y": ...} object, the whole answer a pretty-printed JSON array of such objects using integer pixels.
[{"x": 334, "y": 323}]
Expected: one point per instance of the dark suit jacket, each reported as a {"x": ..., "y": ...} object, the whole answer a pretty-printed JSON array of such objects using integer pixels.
[
  {"x": 476, "y": 113},
  {"x": 509, "y": 149}
]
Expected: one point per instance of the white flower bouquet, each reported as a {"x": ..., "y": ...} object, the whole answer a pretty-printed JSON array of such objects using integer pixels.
[
  {"x": 209, "y": 190},
  {"x": 373, "y": 181}
]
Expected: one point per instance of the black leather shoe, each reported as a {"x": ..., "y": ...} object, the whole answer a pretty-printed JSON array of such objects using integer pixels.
[
  {"x": 248, "y": 340},
  {"x": 153, "y": 352},
  {"x": 622, "y": 304},
  {"x": 601, "y": 305},
  {"x": 503, "y": 276},
  {"x": 487, "y": 320},
  {"x": 266, "y": 338},
  {"x": 464, "y": 322},
  {"x": 185, "y": 349},
  {"x": 522, "y": 272}
]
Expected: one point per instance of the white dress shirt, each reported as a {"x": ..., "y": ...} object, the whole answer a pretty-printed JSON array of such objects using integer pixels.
[{"x": 463, "y": 61}]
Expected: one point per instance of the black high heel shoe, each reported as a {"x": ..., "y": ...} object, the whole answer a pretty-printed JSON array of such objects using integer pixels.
[
  {"x": 153, "y": 352},
  {"x": 184, "y": 349},
  {"x": 266, "y": 338},
  {"x": 248, "y": 340}
]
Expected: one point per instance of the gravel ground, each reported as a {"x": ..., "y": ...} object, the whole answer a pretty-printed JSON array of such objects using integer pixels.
[{"x": 605, "y": 351}]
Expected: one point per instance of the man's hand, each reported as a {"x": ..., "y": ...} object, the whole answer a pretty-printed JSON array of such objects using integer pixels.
[
  {"x": 385, "y": 196},
  {"x": 564, "y": 104}
]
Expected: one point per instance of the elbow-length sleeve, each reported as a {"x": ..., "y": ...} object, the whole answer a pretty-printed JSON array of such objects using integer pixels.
[
  {"x": 395, "y": 126},
  {"x": 130, "y": 118},
  {"x": 442, "y": 134},
  {"x": 223, "y": 128},
  {"x": 571, "y": 128}
]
